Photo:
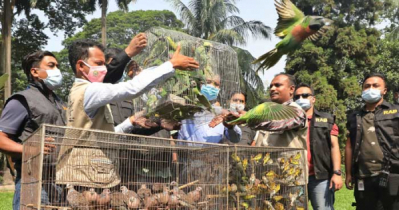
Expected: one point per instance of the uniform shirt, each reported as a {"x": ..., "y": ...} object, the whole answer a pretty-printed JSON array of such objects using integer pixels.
[
  {"x": 371, "y": 156},
  {"x": 334, "y": 132},
  {"x": 248, "y": 136},
  {"x": 198, "y": 130}
]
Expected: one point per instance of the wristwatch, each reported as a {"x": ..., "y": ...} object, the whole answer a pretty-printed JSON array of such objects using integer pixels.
[{"x": 338, "y": 172}]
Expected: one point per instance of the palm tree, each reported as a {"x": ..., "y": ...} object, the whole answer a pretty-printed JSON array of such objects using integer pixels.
[
  {"x": 122, "y": 4},
  {"x": 217, "y": 20}
]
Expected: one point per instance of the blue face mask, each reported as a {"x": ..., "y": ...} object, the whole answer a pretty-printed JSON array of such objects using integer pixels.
[
  {"x": 304, "y": 103},
  {"x": 210, "y": 92},
  {"x": 54, "y": 79},
  {"x": 371, "y": 95}
]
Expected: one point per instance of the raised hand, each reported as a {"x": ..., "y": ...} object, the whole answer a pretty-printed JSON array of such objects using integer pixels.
[
  {"x": 183, "y": 62},
  {"x": 136, "y": 45}
]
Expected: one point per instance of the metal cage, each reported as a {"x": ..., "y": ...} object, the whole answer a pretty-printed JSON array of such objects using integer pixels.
[{"x": 159, "y": 173}]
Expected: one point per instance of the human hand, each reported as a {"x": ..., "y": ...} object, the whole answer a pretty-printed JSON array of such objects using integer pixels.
[
  {"x": 48, "y": 146},
  {"x": 348, "y": 182},
  {"x": 170, "y": 125},
  {"x": 336, "y": 182},
  {"x": 229, "y": 117},
  {"x": 183, "y": 62},
  {"x": 136, "y": 45}
]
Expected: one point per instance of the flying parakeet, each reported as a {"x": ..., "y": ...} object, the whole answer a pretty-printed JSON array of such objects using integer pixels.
[
  {"x": 293, "y": 27},
  {"x": 267, "y": 111}
]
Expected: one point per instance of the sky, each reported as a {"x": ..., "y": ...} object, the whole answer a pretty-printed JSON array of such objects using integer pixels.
[{"x": 262, "y": 10}]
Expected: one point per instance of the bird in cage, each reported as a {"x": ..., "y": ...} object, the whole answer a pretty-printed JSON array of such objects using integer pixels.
[
  {"x": 268, "y": 205},
  {"x": 163, "y": 198},
  {"x": 279, "y": 206},
  {"x": 256, "y": 158},
  {"x": 267, "y": 159},
  {"x": 157, "y": 187},
  {"x": 150, "y": 202},
  {"x": 196, "y": 194},
  {"x": 117, "y": 201},
  {"x": 131, "y": 199},
  {"x": 293, "y": 27},
  {"x": 104, "y": 198},
  {"x": 144, "y": 192},
  {"x": 91, "y": 196},
  {"x": 76, "y": 199},
  {"x": 264, "y": 112}
]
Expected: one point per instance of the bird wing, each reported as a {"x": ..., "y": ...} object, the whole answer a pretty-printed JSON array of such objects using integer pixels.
[
  {"x": 288, "y": 15},
  {"x": 314, "y": 37},
  {"x": 270, "y": 111}
]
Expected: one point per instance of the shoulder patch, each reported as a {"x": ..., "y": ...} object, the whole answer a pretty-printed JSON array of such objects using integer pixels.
[
  {"x": 391, "y": 111},
  {"x": 320, "y": 119}
]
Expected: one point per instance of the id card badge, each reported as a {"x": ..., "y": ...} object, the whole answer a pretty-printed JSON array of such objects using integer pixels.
[{"x": 360, "y": 185}]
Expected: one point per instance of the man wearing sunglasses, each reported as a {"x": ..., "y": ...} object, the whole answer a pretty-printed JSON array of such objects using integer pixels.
[
  {"x": 324, "y": 158},
  {"x": 371, "y": 152}
]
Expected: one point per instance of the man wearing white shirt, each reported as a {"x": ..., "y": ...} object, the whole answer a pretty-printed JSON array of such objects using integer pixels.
[{"x": 87, "y": 109}]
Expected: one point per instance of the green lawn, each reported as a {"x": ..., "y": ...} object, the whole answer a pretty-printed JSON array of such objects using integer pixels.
[{"x": 6, "y": 200}]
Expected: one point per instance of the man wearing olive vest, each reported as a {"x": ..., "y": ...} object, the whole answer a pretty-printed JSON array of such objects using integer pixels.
[
  {"x": 79, "y": 162},
  {"x": 324, "y": 157},
  {"x": 371, "y": 153}
]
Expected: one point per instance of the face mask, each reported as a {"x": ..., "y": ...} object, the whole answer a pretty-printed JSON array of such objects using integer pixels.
[
  {"x": 371, "y": 95},
  {"x": 96, "y": 73},
  {"x": 304, "y": 103},
  {"x": 210, "y": 92},
  {"x": 54, "y": 79},
  {"x": 236, "y": 107}
]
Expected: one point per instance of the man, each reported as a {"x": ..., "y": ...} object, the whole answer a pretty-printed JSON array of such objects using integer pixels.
[
  {"x": 237, "y": 105},
  {"x": 117, "y": 59},
  {"x": 87, "y": 109},
  {"x": 285, "y": 133},
  {"x": 371, "y": 154},
  {"x": 26, "y": 110},
  {"x": 198, "y": 129},
  {"x": 324, "y": 157}
]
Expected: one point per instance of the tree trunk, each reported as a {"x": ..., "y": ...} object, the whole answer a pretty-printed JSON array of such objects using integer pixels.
[
  {"x": 104, "y": 22},
  {"x": 6, "y": 20}
]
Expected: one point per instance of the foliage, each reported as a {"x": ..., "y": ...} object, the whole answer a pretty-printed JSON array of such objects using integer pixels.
[
  {"x": 121, "y": 28},
  {"x": 218, "y": 21},
  {"x": 337, "y": 64}
]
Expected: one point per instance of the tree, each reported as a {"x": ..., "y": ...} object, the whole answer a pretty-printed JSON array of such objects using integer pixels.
[
  {"x": 125, "y": 25},
  {"x": 218, "y": 21},
  {"x": 122, "y": 4},
  {"x": 62, "y": 15},
  {"x": 336, "y": 64}
]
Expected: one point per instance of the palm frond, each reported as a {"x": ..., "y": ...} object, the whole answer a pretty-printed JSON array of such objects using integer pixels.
[
  {"x": 228, "y": 36},
  {"x": 257, "y": 29}
]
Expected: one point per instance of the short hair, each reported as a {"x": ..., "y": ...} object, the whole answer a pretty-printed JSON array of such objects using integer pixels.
[
  {"x": 33, "y": 61},
  {"x": 79, "y": 50},
  {"x": 291, "y": 78},
  {"x": 238, "y": 92},
  {"x": 382, "y": 76},
  {"x": 304, "y": 85},
  {"x": 111, "y": 53}
]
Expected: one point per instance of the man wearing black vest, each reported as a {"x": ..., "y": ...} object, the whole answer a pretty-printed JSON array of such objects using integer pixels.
[
  {"x": 26, "y": 110},
  {"x": 324, "y": 158},
  {"x": 371, "y": 153}
]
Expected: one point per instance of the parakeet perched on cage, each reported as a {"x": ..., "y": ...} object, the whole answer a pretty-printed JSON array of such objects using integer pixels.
[
  {"x": 293, "y": 27},
  {"x": 267, "y": 111}
]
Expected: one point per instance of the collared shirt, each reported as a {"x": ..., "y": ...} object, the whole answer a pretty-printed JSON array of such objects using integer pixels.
[
  {"x": 100, "y": 94},
  {"x": 371, "y": 156},
  {"x": 198, "y": 130}
]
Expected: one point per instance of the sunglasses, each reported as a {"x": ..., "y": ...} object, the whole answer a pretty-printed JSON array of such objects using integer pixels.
[
  {"x": 305, "y": 95},
  {"x": 238, "y": 100}
]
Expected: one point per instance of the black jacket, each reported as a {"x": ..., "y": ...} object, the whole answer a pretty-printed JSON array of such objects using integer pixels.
[
  {"x": 320, "y": 143},
  {"x": 116, "y": 68}
]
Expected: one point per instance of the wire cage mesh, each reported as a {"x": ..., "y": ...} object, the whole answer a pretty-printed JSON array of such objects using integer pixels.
[
  {"x": 179, "y": 97},
  {"x": 140, "y": 172}
]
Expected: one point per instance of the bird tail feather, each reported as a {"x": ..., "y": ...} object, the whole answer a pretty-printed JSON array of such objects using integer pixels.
[{"x": 269, "y": 59}]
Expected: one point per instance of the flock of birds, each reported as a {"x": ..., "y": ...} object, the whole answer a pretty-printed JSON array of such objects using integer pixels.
[
  {"x": 161, "y": 196},
  {"x": 244, "y": 186}
]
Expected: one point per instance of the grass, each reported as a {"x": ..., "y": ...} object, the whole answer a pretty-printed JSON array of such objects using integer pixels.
[{"x": 6, "y": 200}]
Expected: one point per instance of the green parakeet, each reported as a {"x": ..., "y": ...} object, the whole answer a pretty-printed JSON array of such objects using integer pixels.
[
  {"x": 265, "y": 112},
  {"x": 293, "y": 27}
]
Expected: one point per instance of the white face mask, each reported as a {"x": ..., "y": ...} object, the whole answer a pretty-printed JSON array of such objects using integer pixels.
[
  {"x": 304, "y": 103},
  {"x": 237, "y": 107},
  {"x": 54, "y": 79}
]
